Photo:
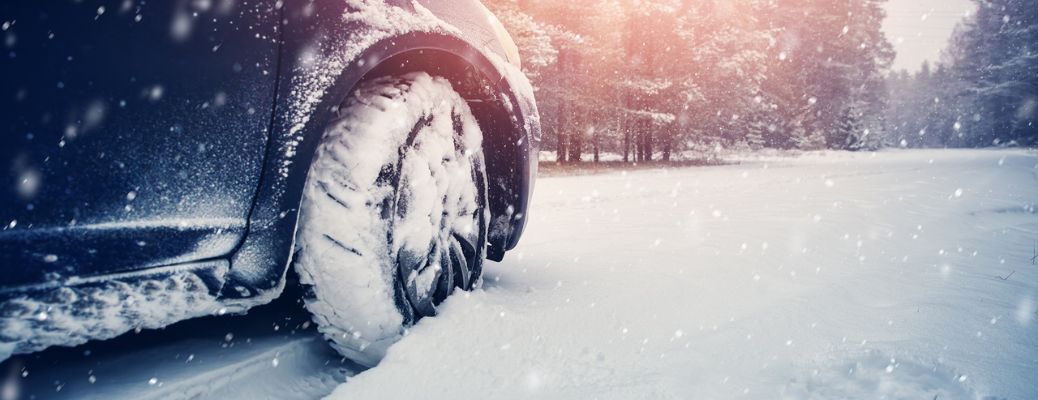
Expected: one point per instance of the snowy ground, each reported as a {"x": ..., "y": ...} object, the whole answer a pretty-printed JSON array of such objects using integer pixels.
[{"x": 901, "y": 274}]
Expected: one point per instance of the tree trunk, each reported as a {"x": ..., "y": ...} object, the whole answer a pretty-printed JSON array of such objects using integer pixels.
[
  {"x": 648, "y": 141},
  {"x": 560, "y": 135},
  {"x": 594, "y": 145},
  {"x": 576, "y": 146},
  {"x": 666, "y": 146},
  {"x": 636, "y": 140},
  {"x": 562, "y": 124},
  {"x": 624, "y": 124},
  {"x": 642, "y": 142},
  {"x": 627, "y": 144}
]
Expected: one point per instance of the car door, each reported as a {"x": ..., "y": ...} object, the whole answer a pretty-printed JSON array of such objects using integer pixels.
[{"x": 132, "y": 132}]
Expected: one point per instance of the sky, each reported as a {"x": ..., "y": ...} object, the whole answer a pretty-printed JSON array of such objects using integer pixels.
[{"x": 920, "y": 29}]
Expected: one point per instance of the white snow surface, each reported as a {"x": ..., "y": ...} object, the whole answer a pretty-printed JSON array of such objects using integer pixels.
[{"x": 830, "y": 275}]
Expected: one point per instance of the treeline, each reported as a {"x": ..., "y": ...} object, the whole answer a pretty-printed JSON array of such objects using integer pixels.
[
  {"x": 648, "y": 79},
  {"x": 984, "y": 92}
]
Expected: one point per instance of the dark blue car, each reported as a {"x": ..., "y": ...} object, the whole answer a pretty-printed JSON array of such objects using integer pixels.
[{"x": 165, "y": 160}]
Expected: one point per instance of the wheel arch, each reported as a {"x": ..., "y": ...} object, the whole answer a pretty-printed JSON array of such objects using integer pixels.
[
  {"x": 506, "y": 142},
  {"x": 511, "y": 136}
]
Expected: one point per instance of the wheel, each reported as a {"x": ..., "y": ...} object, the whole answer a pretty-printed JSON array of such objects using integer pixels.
[{"x": 394, "y": 212}]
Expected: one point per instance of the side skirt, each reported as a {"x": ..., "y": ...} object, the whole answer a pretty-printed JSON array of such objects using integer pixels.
[{"x": 78, "y": 309}]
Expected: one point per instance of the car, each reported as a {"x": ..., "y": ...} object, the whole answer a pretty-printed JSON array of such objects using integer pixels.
[{"x": 170, "y": 160}]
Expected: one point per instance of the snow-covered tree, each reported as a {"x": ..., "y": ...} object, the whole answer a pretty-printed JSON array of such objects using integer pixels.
[
  {"x": 646, "y": 78},
  {"x": 985, "y": 90},
  {"x": 997, "y": 57},
  {"x": 829, "y": 54}
]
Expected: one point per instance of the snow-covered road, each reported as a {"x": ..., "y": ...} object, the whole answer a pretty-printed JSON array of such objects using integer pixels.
[
  {"x": 900, "y": 274},
  {"x": 806, "y": 278}
]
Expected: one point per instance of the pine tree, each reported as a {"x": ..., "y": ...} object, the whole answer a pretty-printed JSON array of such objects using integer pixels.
[
  {"x": 997, "y": 58},
  {"x": 830, "y": 53},
  {"x": 850, "y": 132},
  {"x": 983, "y": 91}
]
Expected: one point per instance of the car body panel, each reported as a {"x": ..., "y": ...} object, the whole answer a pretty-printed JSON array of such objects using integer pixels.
[{"x": 133, "y": 133}]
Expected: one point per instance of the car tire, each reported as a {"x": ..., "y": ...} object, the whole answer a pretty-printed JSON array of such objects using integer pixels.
[{"x": 394, "y": 212}]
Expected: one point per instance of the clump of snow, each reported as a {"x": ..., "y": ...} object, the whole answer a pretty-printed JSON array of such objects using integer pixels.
[
  {"x": 873, "y": 375},
  {"x": 72, "y": 315}
]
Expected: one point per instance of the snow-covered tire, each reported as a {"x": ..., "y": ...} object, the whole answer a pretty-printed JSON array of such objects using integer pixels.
[{"x": 396, "y": 193}]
